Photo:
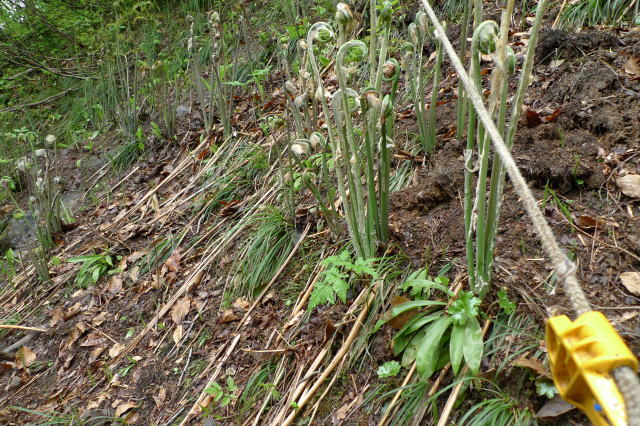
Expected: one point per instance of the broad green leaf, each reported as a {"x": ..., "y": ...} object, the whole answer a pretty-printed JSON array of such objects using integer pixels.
[
  {"x": 95, "y": 275},
  {"x": 418, "y": 285},
  {"x": 402, "y": 337},
  {"x": 429, "y": 348},
  {"x": 79, "y": 259},
  {"x": 456, "y": 345},
  {"x": 410, "y": 352},
  {"x": 473, "y": 344},
  {"x": 397, "y": 310}
]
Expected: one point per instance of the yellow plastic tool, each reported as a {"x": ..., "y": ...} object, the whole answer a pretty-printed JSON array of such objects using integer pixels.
[{"x": 582, "y": 353}]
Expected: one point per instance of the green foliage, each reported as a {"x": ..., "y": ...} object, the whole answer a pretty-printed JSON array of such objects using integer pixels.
[
  {"x": 265, "y": 251},
  {"x": 437, "y": 335},
  {"x": 94, "y": 266},
  {"x": 388, "y": 369},
  {"x": 508, "y": 307},
  {"x": 545, "y": 388},
  {"x": 501, "y": 411},
  {"x": 223, "y": 395},
  {"x": 339, "y": 271},
  {"x": 591, "y": 13}
]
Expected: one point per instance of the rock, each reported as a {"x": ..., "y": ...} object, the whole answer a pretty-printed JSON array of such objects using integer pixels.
[
  {"x": 17, "y": 233},
  {"x": 14, "y": 382},
  {"x": 182, "y": 111}
]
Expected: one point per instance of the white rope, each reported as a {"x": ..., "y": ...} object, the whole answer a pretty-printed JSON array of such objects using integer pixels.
[{"x": 565, "y": 269}]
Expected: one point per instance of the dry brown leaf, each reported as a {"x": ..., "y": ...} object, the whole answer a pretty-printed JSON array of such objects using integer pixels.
[
  {"x": 631, "y": 281},
  {"x": 134, "y": 273},
  {"x": 241, "y": 304},
  {"x": 532, "y": 364},
  {"x": 115, "y": 350},
  {"x": 173, "y": 262},
  {"x": 115, "y": 284},
  {"x": 553, "y": 408},
  {"x": 632, "y": 66},
  {"x": 57, "y": 315},
  {"x": 123, "y": 408},
  {"x": 135, "y": 256},
  {"x": 95, "y": 354},
  {"x": 180, "y": 310},
  {"x": 92, "y": 339},
  {"x": 629, "y": 185},
  {"x": 25, "y": 357},
  {"x": 73, "y": 336},
  {"x": 177, "y": 334},
  {"x": 227, "y": 316},
  {"x": 81, "y": 326},
  {"x": 586, "y": 221},
  {"x": 98, "y": 320},
  {"x": 160, "y": 397},
  {"x": 399, "y": 321}
]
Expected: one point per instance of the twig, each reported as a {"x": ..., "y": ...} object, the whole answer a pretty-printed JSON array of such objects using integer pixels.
[
  {"x": 337, "y": 359},
  {"x": 22, "y": 327},
  {"x": 43, "y": 101},
  {"x": 186, "y": 365}
]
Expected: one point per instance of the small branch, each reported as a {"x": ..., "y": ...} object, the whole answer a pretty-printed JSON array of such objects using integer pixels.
[
  {"x": 33, "y": 104},
  {"x": 22, "y": 327}
]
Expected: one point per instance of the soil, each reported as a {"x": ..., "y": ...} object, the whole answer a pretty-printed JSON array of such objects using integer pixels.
[{"x": 594, "y": 139}]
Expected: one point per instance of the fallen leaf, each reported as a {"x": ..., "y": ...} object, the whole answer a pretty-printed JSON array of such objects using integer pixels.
[
  {"x": 93, "y": 356},
  {"x": 93, "y": 339},
  {"x": 98, "y": 320},
  {"x": 532, "y": 364},
  {"x": 177, "y": 334},
  {"x": 399, "y": 321},
  {"x": 57, "y": 315},
  {"x": 556, "y": 63},
  {"x": 625, "y": 317},
  {"x": 115, "y": 350},
  {"x": 173, "y": 262},
  {"x": 632, "y": 66},
  {"x": 180, "y": 310},
  {"x": 534, "y": 118},
  {"x": 631, "y": 281},
  {"x": 124, "y": 408},
  {"x": 554, "y": 407},
  {"x": 241, "y": 304},
  {"x": 629, "y": 185},
  {"x": 585, "y": 221},
  {"x": 159, "y": 399},
  {"x": 115, "y": 284},
  {"x": 25, "y": 357},
  {"x": 133, "y": 273},
  {"x": 227, "y": 316}
]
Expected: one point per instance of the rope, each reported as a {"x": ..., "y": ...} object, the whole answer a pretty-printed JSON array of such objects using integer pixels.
[{"x": 565, "y": 269}]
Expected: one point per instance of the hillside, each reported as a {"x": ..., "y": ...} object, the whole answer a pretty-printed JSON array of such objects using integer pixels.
[{"x": 292, "y": 212}]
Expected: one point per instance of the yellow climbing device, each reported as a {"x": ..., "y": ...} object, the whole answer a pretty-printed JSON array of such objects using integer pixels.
[{"x": 582, "y": 354}]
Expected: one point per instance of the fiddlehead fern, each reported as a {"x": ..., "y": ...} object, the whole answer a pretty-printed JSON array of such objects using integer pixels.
[
  {"x": 385, "y": 21},
  {"x": 344, "y": 18},
  {"x": 484, "y": 41}
]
